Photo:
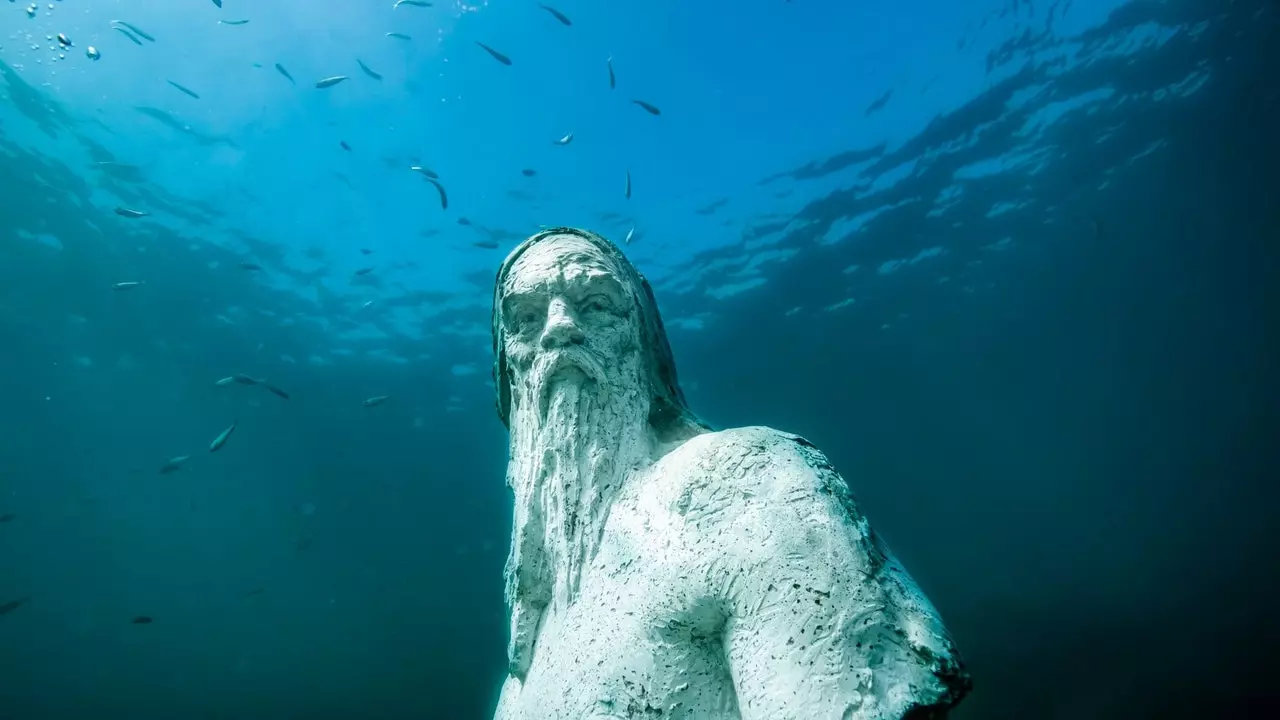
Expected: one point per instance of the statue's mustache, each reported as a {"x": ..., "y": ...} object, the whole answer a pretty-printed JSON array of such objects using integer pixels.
[{"x": 548, "y": 365}]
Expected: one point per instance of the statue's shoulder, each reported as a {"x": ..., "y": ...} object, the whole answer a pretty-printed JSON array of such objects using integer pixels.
[{"x": 750, "y": 459}]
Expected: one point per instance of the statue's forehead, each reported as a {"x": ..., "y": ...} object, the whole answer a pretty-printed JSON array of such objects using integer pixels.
[{"x": 563, "y": 260}]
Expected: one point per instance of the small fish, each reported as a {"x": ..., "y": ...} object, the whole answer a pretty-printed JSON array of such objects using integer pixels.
[
  {"x": 628, "y": 192},
  {"x": 129, "y": 35},
  {"x": 173, "y": 464},
  {"x": 250, "y": 266},
  {"x": 630, "y": 233},
  {"x": 425, "y": 171},
  {"x": 414, "y": 3},
  {"x": 648, "y": 108},
  {"x": 366, "y": 251},
  {"x": 367, "y": 305},
  {"x": 129, "y": 285},
  {"x": 496, "y": 55},
  {"x": 364, "y": 271},
  {"x": 64, "y": 41},
  {"x": 444, "y": 197},
  {"x": 280, "y": 69},
  {"x": 556, "y": 14},
  {"x": 367, "y": 71},
  {"x": 464, "y": 222},
  {"x": 225, "y": 381},
  {"x": 398, "y": 36},
  {"x": 343, "y": 144},
  {"x": 275, "y": 391},
  {"x": 218, "y": 3},
  {"x": 182, "y": 89},
  {"x": 92, "y": 53},
  {"x": 528, "y": 172},
  {"x": 245, "y": 379},
  {"x": 117, "y": 24},
  {"x": 221, "y": 440},
  {"x": 613, "y": 82},
  {"x": 126, "y": 212},
  {"x": 330, "y": 81},
  {"x": 486, "y": 244},
  {"x": 233, "y": 22},
  {"x": 7, "y": 517},
  {"x": 252, "y": 593},
  {"x": 10, "y": 606},
  {"x": 376, "y": 400},
  {"x": 568, "y": 138},
  {"x": 146, "y": 619}
]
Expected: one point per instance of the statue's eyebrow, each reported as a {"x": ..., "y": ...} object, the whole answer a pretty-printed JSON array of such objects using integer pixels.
[
  {"x": 602, "y": 282},
  {"x": 513, "y": 298}
]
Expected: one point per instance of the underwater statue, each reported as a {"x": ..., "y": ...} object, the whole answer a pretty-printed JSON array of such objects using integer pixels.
[{"x": 660, "y": 569}]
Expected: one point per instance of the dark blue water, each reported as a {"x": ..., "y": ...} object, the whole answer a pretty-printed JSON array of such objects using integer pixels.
[{"x": 1010, "y": 267}]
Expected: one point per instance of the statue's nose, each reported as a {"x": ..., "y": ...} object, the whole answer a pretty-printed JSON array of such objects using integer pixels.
[{"x": 562, "y": 329}]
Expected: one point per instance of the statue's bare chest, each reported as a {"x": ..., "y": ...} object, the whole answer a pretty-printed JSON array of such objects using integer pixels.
[{"x": 640, "y": 641}]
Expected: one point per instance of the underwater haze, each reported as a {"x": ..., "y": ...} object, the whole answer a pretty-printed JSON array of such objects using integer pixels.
[{"x": 1008, "y": 263}]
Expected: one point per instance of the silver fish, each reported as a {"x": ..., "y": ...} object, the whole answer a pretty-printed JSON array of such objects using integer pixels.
[
  {"x": 613, "y": 82},
  {"x": 568, "y": 138},
  {"x": 628, "y": 192},
  {"x": 630, "y": 233},
  {"x": 495, "y": 54},
  {"x": 221, "y": 440},
  {"x": 556, "y": 14},
  {"x": 184, "y": 90},
  {"x": 376, "y": 400},
  {"x": 398, "y": 36},
  {"x": 648, "y": 108},
  {"x": 444, "y": 196},
  {"x": 126, "y": 212},
  {"x": 117, "y": 24},
  {"x": 173, "y": 464},
  {"x": 367, "y": 71},
  {"x": 129, "y": 35},
  {"x": 414, "y": 3},
  {"x": 128, "y": 285},
  {"x": 225, "y": 381},
  {"x": 280, "y": 69},
  {"x": 233, "y": 22},
  {"x": 330, "y": 81},
  {"x": 426, "y": 171}
]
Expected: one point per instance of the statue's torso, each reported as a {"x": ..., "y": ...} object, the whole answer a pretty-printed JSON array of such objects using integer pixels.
[{"x": 643, "y": 637}]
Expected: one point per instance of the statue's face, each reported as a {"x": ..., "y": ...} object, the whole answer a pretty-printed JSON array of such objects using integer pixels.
[{"x": 567, "y": 314}]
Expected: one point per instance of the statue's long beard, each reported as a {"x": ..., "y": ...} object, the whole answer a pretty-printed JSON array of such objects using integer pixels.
[{"x": 573, "y": 442}]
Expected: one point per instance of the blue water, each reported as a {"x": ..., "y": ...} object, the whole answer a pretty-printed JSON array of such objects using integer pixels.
[{"x": 1008, "y": 263}]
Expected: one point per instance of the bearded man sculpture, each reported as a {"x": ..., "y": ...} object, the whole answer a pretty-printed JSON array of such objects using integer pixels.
[{"x": 660, "y": 569}]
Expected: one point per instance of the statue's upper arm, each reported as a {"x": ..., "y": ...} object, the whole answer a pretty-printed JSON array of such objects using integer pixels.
[{"x": 821, "y": 618}]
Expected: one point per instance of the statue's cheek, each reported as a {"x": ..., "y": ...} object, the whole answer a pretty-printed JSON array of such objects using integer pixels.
[{"x": 520, "y": 356}]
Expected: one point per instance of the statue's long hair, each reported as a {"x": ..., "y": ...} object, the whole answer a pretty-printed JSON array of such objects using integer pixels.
[{"x": 669, "y": 415}]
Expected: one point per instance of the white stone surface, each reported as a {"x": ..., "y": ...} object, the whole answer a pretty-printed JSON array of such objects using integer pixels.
[{"x": 659, "y": 569}]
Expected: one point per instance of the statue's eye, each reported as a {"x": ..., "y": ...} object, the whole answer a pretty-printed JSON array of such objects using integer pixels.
[
  {"x": 597, "y": 303},
  {"x": 522, "y": 318}
]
